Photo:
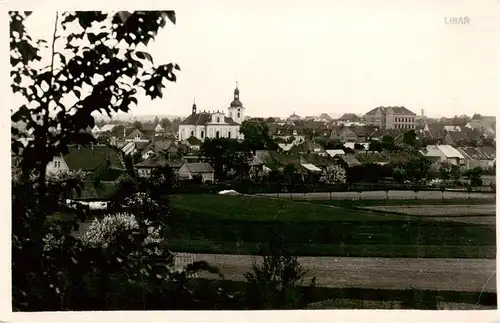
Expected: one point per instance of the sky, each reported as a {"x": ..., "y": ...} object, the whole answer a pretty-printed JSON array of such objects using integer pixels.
[{"x": 311, "y": 57}]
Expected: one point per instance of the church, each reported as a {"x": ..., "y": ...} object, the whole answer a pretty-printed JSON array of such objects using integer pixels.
[{"x": 214, "y": 124}]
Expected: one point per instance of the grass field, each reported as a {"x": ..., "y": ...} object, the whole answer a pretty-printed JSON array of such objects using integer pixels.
[{"x": 245, "y": 224}]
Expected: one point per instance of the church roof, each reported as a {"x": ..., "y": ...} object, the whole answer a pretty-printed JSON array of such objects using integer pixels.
[
  {"x": 236, "y": 103},
  {"x": 204, "y": 118}
]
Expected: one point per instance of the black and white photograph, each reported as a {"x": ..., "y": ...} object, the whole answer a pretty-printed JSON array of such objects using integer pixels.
[{"x": 248, "y": 156}]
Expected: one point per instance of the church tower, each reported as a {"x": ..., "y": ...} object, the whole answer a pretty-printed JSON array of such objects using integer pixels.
[{"x": 236, "y": 109}]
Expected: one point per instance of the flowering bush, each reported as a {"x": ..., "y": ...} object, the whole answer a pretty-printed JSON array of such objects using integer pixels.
[
  {"x": 105, "y": 231},
  {"x": 333, "y": 175},
  {"x": 139, "y": 200}
]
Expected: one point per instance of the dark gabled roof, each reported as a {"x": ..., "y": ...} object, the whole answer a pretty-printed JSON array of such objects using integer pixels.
[
  {"x": 175, "y": 163},
  {"x": 395, "y": 110},
  {"x": 204, "y": 118},
  {"x": 361, "y": 131},
  {"x": 475, "y": 153},
  {"x": 349, "y": 159},
  {"x": 162, "y": 144},
  {"x": 394, "y": 133},
  {"x": 307, "y": 146},
  {"x": 197, "y": 168},
  {"x": 150, "y": 163},
  {"x": 402, "y": 110},
  {"x": 320, "y": 161},
  {"x": 90, "y": 158},
  {"x": 464, "y": 135}
]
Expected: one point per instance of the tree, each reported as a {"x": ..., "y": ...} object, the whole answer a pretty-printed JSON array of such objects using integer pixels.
[
  {"x": 375, "y": 145},
  {"x": 256, "y": 134},
  {"x": 226, "y": 155},
  {"x": 114, "y": 73},
  {"x": 165, "y": 123},
  {"x": 270, "y": 120},
  {"x": 410, "y": 138},
  {"x": 137, "y": 125},
  {"x": 388, "y": 143},
  {"x": 474, "y": 176},
  {"x": 275, "y": 282},
  {"x": 156, "y": 121},
  {"x": 333, "y": 174}
]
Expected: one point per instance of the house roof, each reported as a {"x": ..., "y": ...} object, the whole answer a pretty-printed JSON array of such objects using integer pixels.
[
  {"x": 108, "y": 127},
  {"x": 350, "y": 160},
  {"x": 475, "y": 153},
  {"x": 317, "y": 160},
  {"x": 395, "y": 110},
  {"x": 150, "y": 163},
  {"x": 447, "y": 150},
  {"x": 175, "y": 163},
  {"x": 361, "y": 131},
  {"x": 90, "y": 158},
  {"x": 285, "y": 147},
  {"x": 197, "y": 168},
  {"x": 380, "y": 133},
  {"x": 204, "y": 118},
  {"x": 311, "y": 167},
  {"x": 349, "y": 117},
  {"x": 334, "y": 152},
  {"x": 162, "y": 144},
  {"x": 307, "y": 146}
]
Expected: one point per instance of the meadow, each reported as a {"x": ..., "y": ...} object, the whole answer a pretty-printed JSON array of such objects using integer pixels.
[{"x": 245, "y": 224}]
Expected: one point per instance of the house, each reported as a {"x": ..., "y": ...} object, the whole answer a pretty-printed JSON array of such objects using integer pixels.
[
  {"x": 159, "y": 129},
  {"x": 190, "y": 170},
  {"x": 165, "y": 146},
  {"x": 335, "y": 132},
  {"x": 96, "y": 131},
  {"x": 193, "y": 143},
  {"x": 133, "y": 147},
  {"x": 465, "y": 137},
  {"x": 355, "y": 134},
  {"x": 203, "y": 125},
  {"x": 308, "y": 147},
  {"x": 258, "y": 159},
  {"x": 396, "y": 134},
  {"x": 289, "y": 132},
  {"x": 348, "y": 160},
  {"x": 445, "y": 154},
  {"x": 145, "y": 168},
  {"x": 391, "y": 118},
  {"x": 477, "y": 157},
  {"x": 486, "y": 125},
  {"x": 87, "y": 159},
  {"x": 434, "y": 131},
  {"x": 318, "y": 161}
]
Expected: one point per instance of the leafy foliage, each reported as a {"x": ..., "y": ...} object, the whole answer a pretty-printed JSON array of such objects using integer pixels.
[{"x": 274, "y": 283}]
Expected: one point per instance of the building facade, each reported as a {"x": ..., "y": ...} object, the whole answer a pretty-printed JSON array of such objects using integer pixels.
[
  {"x": 204, "y": 124},
  {"x": 391, "y": 118}
]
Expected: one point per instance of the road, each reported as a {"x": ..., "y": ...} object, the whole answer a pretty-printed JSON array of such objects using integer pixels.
[
  {"x": 381, "y": 273},
  {"x": 382, "y": 195}
]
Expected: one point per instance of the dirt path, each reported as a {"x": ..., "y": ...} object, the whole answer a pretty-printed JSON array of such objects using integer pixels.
[{"x": 387, "y": 273}]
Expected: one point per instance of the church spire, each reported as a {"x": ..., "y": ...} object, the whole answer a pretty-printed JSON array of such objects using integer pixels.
[{"x": 194, "y": 106}]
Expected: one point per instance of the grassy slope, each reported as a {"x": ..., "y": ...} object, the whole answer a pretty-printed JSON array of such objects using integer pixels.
[{"x": 242, "y": 225}]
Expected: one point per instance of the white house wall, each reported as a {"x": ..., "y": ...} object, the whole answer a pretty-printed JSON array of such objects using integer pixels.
[
  {"x": 56, "y": 165},
  {"x": 209, "y": 131}
]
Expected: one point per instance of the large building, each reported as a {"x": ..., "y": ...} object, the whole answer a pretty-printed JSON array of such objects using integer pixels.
[
  {"x": 214, "y": 124},
  {"x": 391, "y": 118}
]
